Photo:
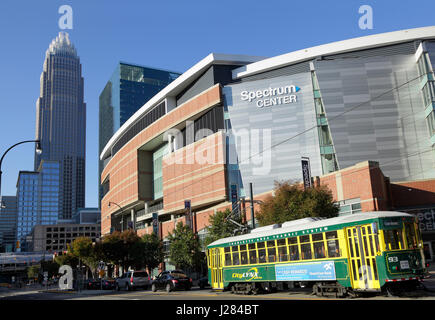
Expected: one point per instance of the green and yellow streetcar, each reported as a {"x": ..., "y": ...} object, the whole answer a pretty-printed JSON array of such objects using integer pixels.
[{"x": 365, "y": 252}]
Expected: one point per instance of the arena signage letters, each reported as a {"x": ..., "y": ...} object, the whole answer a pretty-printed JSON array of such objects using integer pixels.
[{"x": 271, "y": 96}]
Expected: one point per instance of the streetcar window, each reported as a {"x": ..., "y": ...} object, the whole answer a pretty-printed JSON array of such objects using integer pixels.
[
  {"x": 306, "y": 251},
  {"x": 282, "y": 253},
  {"x": 271, "y": 253},
  {"x": 411, "y": 237},
  {"x": 270, "y": 243},
  {"x": 331, "y": 235},
  {"x": 261, "y": 245},
  {"x": 293, "y": 240},
  {"x": 333, "y": 248},
  {"x": 419, "y": 240},
  {"x": 209, "y": 258},
  {"x": 303, "y": 239},
  {"x": 393, "y": 239},
  {"x": 294, "y": 252},
  {"x": 227, "y": 249},
  {"x": 228, "y": 259},
  {"x": 236, "y": 260},
  {"x": 244, "y": 257},
  {"x": 317, "y": 237},
  {"x": 332, "y": 244},
  {"x": 319, "y": 250},
  {"x": 261, "y": 255},
  {"x": 253, "y": 256},
  {"x": 281, "y": 242},
  {"x": 251, "y": 246}
]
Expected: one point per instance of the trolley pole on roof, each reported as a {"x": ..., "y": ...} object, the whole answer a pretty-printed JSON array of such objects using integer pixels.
[{"x": 251, "y": 200}]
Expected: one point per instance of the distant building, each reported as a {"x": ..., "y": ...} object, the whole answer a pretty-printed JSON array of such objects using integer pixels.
[
  {"x": 8, "y": 223},
  {"x": 127, "y": 90},
  {"x": 56, "y": 237},
  {"x": 87, "y": 215}
]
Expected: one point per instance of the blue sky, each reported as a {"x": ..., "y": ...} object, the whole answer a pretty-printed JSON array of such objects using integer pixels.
[{"x": 172, "y": 35}]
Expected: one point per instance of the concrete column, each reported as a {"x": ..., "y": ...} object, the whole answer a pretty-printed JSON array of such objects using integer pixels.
[
  {"x": 133, "y": 218},
  {"x": 170, "y": 143}
]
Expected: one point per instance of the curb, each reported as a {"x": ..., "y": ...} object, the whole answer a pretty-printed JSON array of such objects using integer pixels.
[{"x": 83, "y": 292}]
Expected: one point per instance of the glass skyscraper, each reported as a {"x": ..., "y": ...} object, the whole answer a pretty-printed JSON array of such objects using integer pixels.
[
  {"x": 37, "y": 199},
  {"x": 8, "y": 223},
  {"x": 127, "y": 90},
  {"x": 61, "y": 122}
]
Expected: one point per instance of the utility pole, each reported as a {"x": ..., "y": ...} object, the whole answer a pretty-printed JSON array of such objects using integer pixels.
[{"x": 251, "y": 200}]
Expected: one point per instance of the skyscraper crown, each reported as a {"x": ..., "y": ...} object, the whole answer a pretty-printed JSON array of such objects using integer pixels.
[{"x": 61, "y": 45}]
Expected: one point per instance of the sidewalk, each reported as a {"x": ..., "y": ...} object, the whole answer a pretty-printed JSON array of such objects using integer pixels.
[
  {"x": 429, "y": 283},
  {"x": 33, "y": 289}
]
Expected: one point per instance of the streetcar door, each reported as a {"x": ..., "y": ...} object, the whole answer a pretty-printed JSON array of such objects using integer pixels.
[
  {"x": 216, "y": 269},
  {"x": 363, "y": 245}
]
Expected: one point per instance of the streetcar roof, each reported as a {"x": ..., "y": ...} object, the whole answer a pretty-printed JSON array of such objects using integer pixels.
[{"x": 309, "y": 223}]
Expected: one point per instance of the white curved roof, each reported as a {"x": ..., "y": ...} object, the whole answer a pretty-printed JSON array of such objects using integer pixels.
[
  {"x": 361, "y": 43},
  {"x": 293, "y": 226}
]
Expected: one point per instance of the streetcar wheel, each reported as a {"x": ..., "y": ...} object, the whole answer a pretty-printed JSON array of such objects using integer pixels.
[{"x": 317, "y": 291}]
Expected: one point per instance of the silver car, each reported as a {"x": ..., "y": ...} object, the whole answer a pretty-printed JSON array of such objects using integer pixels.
[{"x": 132, "y": 280}]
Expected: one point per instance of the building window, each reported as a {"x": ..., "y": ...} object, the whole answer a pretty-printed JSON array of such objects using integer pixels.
[
  {"x": 350, "y": 206},
  {"x": 428, "y": 93}
]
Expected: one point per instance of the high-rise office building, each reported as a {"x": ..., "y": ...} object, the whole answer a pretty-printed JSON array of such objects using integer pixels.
[
  {"x": 8, "y": 223},
  {"x": 128, "y": 89},
  {"x": 38, "y": 195},
  {"x": 61, "y": 122}
]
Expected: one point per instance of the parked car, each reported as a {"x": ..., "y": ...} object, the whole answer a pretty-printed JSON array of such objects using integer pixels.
[
  {"x": 98, "y": 284},
  {"x": 92, "y": 284},
  {"x": 171, "y": 280},
  {"x": 132, "y": 280},
  {"x": 203, "y": 282},
  {"x": 108, "y": 284}
]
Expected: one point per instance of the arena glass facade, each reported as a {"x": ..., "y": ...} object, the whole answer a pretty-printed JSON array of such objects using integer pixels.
[{"x": 230, "y": 121}]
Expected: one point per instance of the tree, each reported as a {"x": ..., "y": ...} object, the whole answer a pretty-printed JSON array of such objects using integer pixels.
[
  {"x": 131, "y": 249},
  {"x": 33, "y": 271},
  {"x": 122, "y": 249},
  {"x": 83, "y": 249},
  {"x": 184, "y": 250},
  {"x": 220, "y": 227},
  {"x": 51, "y": 267},
  {"x": 291, "y": 202},
  {"x": 152, "y": 251},
  {"x": 112, "y": 248},
  {"x": 67, "y": 259}
]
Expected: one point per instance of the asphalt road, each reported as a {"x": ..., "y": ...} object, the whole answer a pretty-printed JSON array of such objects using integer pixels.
[{"x": 194, "y": 294}]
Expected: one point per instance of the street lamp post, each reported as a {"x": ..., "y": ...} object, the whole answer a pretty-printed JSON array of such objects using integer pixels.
[
  {"x": 122, "y": 217},
  {"x": 38, "y": 150}
]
